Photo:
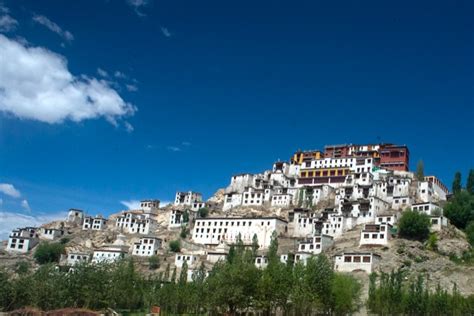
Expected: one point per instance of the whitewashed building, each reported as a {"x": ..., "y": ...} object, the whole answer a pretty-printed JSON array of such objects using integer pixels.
[
  {"x": 386, "y": 218},
  {"x": 315, "y": 244},
  {"x": 281, "y": 200},
  {"x": 150, "y": 205},
  {"x": 219, "y": 253},
  {"x": 146, "y": 246},
  {"x": 177, "y": 219},
  {"x": 261, "y": 262},
  {"x": 190, "y": 260},
  {"x": 401, "y": 202},
  {"x": 74, "y": 258},
  {"x": 356, "y": 261},
  {"x": 231, "y": 200},
  {"x": 375, "y": 234},
  {"x": 212, "y": 231},
  {"x": 50, "y": 233},
  {"x": 23, "y": 239},
  {"x": 187, "y": 198},
  {"x": 94, "y": 223},
  {"x": 438, "y": 222},
  {"x": 75, "y": 216},
  {"x": 136, "y": 222},
  {"x": 428, "y": 208},
  {"x": 113, "y": 252}
]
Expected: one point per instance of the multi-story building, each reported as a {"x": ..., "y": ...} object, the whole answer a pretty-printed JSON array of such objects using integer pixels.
[
  {"x": 135, "y": 222},
  {"x": 146, "y": 246},
  {"x": 177, "y": 219},
  {"x": 150, "y": 205},
  {"x": 187, "y": 198},
  {"x": 212, "y": 231},
  {"x": 375, "y": 234},
  {"x": 94, "y": 223},
  {"x": 315, "y": 244},
  {"x": 394, "y": 157},
  {"x": 23, "y": 239},
  {"x": 180, "y": 259},
  {"x": 75, "y": 216},
  {"x": 440, "y": 191},
  {"x": 300, "y": 157},
  {"x": 428, "y": 208}
]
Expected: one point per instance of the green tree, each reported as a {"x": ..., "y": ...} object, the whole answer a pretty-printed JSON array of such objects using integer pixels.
[
  {"x": 153, "y": 262},
  {"x": 184, "y": 232},
  {"x": 457, "y": 186},
  {"x": 186, "y": 216},
  {"x": 470, "y": 233},
  {"x": 203, "y": 212},
  {"x": 48, "y": 252},
  {"x": 459, "y": 209},
  {"x": 470, "y": 182},
  {"x": 255, "y": 245},
  {"x": 420, "y": 171},
  {"x": 414, "y": 225},
  {"x": 175, "y": 246},
  {"x": 345, "y": 294},
  {"x": 5, "y": 290}
]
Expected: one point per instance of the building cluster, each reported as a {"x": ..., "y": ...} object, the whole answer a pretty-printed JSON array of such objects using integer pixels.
[{"x": 326, "y": 193}]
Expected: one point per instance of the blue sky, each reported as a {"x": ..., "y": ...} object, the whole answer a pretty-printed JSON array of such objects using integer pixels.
[{"x": 200, "y": 90}]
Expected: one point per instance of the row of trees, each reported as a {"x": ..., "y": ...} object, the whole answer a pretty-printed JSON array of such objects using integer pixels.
[
  {"x": 233, "y": 285},
  {"x": 391, "y": 295},
  {"x": 460, "y": 208}
]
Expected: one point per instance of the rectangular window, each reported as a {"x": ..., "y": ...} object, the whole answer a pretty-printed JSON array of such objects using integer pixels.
[
  {"x": 347, "y": 259},
  {"x": 366, "y": 259}
]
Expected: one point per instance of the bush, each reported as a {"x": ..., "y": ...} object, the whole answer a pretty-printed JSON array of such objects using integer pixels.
[
  {"x": 48, "y": 252},
  {"x": 432, "y": 242},
  {"x": 153, "y": 262},
  {"x": 414, "y": 225},
  {"x": 175, "y": 246},
  {"x": 459, "y": 209},
  {"x": 470, "y": 233},
  {"x": 184, "y": 233},
  {"x": 203, "y": 212},
  {"x": 22, "y": 267}
]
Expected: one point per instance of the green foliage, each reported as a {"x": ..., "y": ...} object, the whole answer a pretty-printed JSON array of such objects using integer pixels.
[
  {"x": 203, "y": 212},
  {"x": 48, "y": 252},
  {"x": 470, "y": 233},
  {"x": 432, "y": 242},
  {"x": 64, "y": 240},
  {"x": 186, "y": 216},
  {"x": 6, "y": 291},
  {"x": 391, "y": 296},
  {"x": 184, "y": 232},
  {"x": 459, "y": 209},
  {"x": 22, "y": 267},
  {"x": 470, "y": 182},
  {"x": 346, "y": 293},
  {"x": 420, "y": 171},
  {"x": 153, "y": 262},
  {"x": 414, "y": 225},
  {"x": 175, "y": 246},
  {"x": 457, "y": 186}
]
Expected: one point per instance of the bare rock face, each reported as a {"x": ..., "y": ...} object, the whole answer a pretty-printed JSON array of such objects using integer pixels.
[{"x": 218, "y": 197}]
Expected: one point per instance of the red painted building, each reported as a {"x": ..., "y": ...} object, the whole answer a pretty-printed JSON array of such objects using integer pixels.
[{"x": 394, "y": 157}]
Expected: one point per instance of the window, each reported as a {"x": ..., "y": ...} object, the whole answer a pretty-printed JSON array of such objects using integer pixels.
[
  {"x": 366, "y": 259},
  {"x": 347, "y": 259},
  {"x": 382, "y": 236},
  {"x": 366, "y": 236},
  {"x": 356, "y": 258}
]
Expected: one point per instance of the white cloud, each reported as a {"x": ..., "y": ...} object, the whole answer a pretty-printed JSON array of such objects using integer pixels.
[
  {"x": 53, "y": 27},
  {"x": 129, "y": 127},
  {"x": 36, "y": 84},
  {"x": 131, "y": 87},
  {"x": 102, "y": 72},
  {"x": 173, "y": 148},
  {"x": 186, "y": 143},
  {"x": 11, "y": 220},
  {"x": 7, "y": 23},
  {"x": 165, "y": 32},
  {"x": 137, "y": 5},
  {"x": 132, "y": 204},
  {"x": 119, "y": 74},
  {"x": 10, "y": 190},
  {"x": 25, "y": 205}
]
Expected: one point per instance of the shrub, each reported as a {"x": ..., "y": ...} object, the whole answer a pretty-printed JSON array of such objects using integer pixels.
[
  {"x": 175, "y": 246},
  {"x": 470, "y": 233},
  {"x": 184, "y": 232},
  {"x": 203, "y": 212},
  {"x": 22, "y": 267},
  {"x": 432, "y": 242},
  {"x": 414, "y": 225},
  {"x": 153, "y": 262},
  {"x": 48, "y": 252}
]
